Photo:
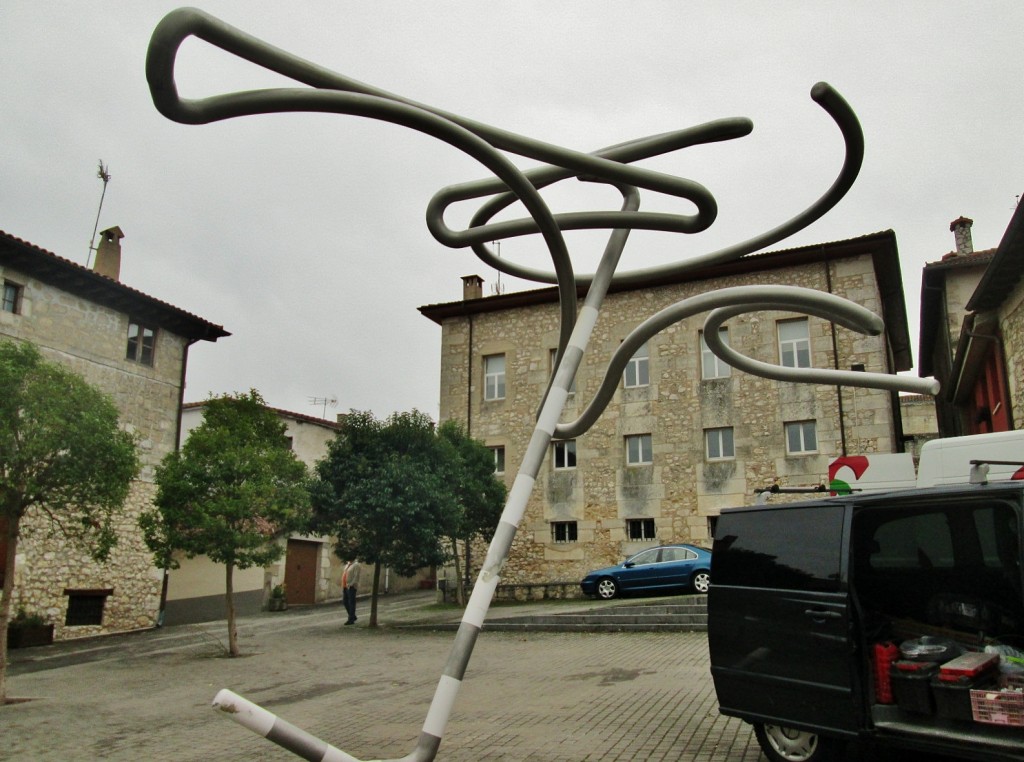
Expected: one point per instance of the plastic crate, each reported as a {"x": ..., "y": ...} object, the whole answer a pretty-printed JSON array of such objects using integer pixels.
[{"x": 998, "y": 707}]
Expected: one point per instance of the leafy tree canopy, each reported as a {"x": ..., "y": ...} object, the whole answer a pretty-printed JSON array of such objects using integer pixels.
[
  {"x": 380, "y": 491},
  {"x": 231, "y": 489},
  {"x": 61, "y": 450},
  {"x": 62, "y": 455}
]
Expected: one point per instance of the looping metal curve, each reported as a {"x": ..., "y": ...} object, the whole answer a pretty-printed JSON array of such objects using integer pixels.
[{"x": 328, "y": 92}]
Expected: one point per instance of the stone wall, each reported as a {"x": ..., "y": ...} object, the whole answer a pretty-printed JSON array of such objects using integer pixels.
[
  {"x": 681, "y": 490},
  {"x": 1011, "y": 326},
  {"x": 90, "y": 339}
]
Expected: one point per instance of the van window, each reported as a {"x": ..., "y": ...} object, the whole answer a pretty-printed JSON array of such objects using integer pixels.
[
  {"x": 785, "y": 548},
  {"x": 917, "y": 541}
]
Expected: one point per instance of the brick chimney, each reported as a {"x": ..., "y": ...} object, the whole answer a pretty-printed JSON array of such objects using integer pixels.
[
  {"x": 472, "y": 287},
  {"x": 108, "y": 253},
  {"x": 961, "y": 229}
]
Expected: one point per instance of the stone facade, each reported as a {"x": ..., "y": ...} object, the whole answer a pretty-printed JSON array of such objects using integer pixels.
[
  {"x": 978, "y": 296},
  {"x": 81, "y": 319},
  {"x": 606, "y": 501},
  {"x": 1011, "y": 321}
]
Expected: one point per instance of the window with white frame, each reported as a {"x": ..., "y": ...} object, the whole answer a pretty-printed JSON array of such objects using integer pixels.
[
  {"x": 640, "y": 529},
  {"x": 637, "y": 371},
  {"x": 552, "y": 357},
  {"x": 711, "y": 365},
  {"x": 801, "y": 437},
  {"x": 563, "y": 531},
  {"x": 141, "y": 342},
  {"x": 794, "y": 343},
  {"x": 11, "y": 297},
  {"x": 719, "y": 443},
  {"x": 564, "y": 454},
  {"x": 499, "y": 459},
  {"x": 639, "y": 451},
  {"x": 494, "y": 377}
]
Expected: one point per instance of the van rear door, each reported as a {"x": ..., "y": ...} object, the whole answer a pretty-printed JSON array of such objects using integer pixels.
[{"x": 779, "y": 627}]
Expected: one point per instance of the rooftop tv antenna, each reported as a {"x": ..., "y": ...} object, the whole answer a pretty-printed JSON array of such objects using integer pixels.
[
  {"x": 324, "y": 401},
  {"x": 498, "y": 287},
  {"x": 104, "y": 175}
]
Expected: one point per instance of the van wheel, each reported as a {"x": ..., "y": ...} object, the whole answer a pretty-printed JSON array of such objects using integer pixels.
[
  {"x": 782, "y": 744},
  {"x": 607, "y": 589},
  {"x": 701, "y": 582}
]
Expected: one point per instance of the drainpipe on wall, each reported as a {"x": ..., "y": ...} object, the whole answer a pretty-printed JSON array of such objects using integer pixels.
[{"x": 835, "y": 364}]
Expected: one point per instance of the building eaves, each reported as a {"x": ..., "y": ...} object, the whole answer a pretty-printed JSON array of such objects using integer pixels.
[
  {"x": 1005, "y": 270},
  {"x": 83, "y": 282},
  {"x": 300, "y": 417},
  {"x": 881, "y": 246}
]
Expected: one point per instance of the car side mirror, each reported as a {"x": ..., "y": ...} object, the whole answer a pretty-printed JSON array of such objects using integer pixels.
[{"x": 629, "y": 564}]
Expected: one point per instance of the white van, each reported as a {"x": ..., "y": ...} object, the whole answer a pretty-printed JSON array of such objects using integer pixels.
[
  {"x": 948, "y": 461},
  {"x": 943, "y": 462}
]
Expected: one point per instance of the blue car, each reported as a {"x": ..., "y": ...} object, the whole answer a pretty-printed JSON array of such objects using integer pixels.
[{"x": 665, "y": 568}]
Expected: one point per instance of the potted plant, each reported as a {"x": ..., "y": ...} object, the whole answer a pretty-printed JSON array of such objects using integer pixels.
[
  {"x": 278, "y": 601},
  {"x": 27, "y": 630}
]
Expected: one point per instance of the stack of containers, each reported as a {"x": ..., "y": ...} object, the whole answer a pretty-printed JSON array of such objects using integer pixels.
[{"x": 951, "y": 687}]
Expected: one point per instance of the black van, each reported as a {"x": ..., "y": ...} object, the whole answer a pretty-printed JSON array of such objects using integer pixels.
[{"x": 821, "y": 610}]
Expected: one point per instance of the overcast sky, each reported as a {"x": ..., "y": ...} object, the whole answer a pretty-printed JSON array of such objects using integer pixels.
[{"x": 304, "y": 235}]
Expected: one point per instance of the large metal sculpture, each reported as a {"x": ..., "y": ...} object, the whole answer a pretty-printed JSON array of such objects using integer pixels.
[{"x": 327, "y": 91}]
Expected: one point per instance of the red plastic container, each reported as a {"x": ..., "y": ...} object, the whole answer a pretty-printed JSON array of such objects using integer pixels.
[
  {"x": 885, "y": 654},
  {"x": 969, "y": 666}
]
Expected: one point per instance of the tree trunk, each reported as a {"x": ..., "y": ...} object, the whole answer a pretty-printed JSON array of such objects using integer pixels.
[
  {"x": 460, "y": 588},
  {"x": 6, "y": 600},
  {"x": 230, "y": 593},
  {"x": 373, "y": 594}
]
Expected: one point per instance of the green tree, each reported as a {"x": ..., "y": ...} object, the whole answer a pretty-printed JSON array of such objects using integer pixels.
[
  {"x": 477, "y": 496},
  {"x": 380, "y": 492},
  {"x": 62, "y": 458},
  {"x": 231, "y": 492}
]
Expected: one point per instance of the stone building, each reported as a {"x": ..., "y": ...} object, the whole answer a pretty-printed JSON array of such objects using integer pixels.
[
  {"x": 135, "y": 349},
  {"x": 972, "y": 332},
  {"x": 684, "y": 435},
  {"x": 309, "y": 569}
]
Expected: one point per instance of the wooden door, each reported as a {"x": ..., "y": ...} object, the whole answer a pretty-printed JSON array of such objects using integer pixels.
[{"x": 300, "y": 567}]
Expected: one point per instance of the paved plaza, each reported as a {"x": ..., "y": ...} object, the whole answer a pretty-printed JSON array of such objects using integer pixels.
[{"x": 527, "y": 696}]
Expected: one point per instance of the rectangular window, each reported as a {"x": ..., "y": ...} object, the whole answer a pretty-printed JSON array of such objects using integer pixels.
[
  {"x": 551, "y": 359},
  {"x": 499, "y": 459},
  {"x": 494, "y": 377},
  {"x": 563, "y": 531},
  {"x": 85, "y": 607},
  {"x": 637, "y": 371},
  {"x": 794, "y": 343},
  {"x": 638, "y": 450},
  {"x": 711, "y": 365},
  {"x": 719, "y": 443},
  {"x": 801, "y": 437},
  {"x": 141, "y": 340},
  {"x": 640, "y": 529},
  {"x": 11, "y": 297},
  {"x": 565, "y": 454}
]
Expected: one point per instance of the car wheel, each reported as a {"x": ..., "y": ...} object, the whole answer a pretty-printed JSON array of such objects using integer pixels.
[
  {"x": 782, "y": 744},
  {"x": 701, "y": 582},
  {"x": 606, "y": 588}
]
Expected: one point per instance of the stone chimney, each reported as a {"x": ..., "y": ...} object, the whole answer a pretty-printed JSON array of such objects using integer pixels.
[
  {"x": 108, "y": 253},
  {"x": 961, "y": 229},
  {"x": 472, "y": 287}
]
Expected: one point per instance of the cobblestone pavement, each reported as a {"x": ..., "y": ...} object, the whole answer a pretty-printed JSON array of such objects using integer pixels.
[{"x": 527, "y": 696}]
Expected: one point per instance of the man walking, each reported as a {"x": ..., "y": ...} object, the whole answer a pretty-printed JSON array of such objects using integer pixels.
[{"x": 349, "y": 583}]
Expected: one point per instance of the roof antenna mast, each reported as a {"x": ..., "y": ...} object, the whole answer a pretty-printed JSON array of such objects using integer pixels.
[{"x": 103, "y": 175}]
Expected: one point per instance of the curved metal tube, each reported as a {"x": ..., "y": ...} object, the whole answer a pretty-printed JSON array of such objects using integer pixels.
[
  {"x": 330, "y": 92},
  {"x": 812, "y": 304},
  {"x": 728, "y": 302}
]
